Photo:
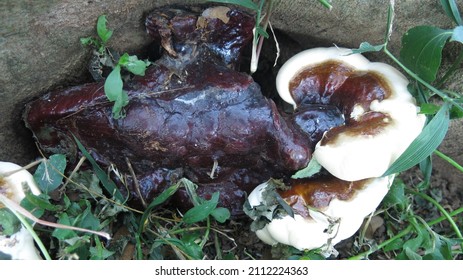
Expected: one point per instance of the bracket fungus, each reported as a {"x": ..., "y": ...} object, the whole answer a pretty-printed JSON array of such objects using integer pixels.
[
  {"x": 381, "y": 118},
  {"x": 19, "y": 245},
  {"x": 324, "y": 212},
  {"x": 375, "y": 120}
]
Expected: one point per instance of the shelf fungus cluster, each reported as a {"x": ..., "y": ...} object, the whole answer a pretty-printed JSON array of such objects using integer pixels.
[
  {"x": 378, "y": 120},
  {"x": 17, "y": 245},
  {"x": 194, "y": 115}
]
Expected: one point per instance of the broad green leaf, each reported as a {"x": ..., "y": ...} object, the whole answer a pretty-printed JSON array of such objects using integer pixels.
[
  {"x": 312, "y": 168},
  {"x": 102, "y": 30},
  {"x": 201, "y": 211},
  {"x": 113, "y": 84},
  {"x": 87, "y": 219},
  {"x": 9, "y": 224},
  {"x": 136, "y": 66},
  {"x": 99, "y": 252},
  {"x": 422, "y": 50},
  {"x": 367, "y": 47},
  {"x": 63, "y": 234},
  {"x": 451, "y": 9},
  {"x": 425, "y": 144},
  {"x": 190, "y": 245},
  {"x": 48, "y": 175},
  {"x": 457, "y": 34},
  {"x": 429, "y": 108},
  {"x": 220, "y": 214},
  {"x": 104, "y": 178},
  {"x": 243, "y": 3}
]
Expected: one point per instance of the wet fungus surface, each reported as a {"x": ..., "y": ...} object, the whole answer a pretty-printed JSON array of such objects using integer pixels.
[{"x": 195, "y": 115}]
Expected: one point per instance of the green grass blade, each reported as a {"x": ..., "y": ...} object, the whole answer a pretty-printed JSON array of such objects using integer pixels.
[
  {"x": 100, "y": 173},
  {"x": 451, "y": 9},
  {"x": 425, "y": 144}
]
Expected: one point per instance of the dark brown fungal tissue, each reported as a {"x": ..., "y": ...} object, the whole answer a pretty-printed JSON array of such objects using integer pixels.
[{"x": 192, "y": 115}]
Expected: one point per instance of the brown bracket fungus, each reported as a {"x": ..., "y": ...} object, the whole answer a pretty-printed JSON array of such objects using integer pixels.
[
  {"x": 325, "y": 211},
  {"x": 381, "y": 116},
  {"x": 375, "y": 119},
  {"x": 13, "y": 180}
]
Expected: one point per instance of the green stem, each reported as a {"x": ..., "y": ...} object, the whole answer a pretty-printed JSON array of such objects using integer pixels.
[
  {"x": 449, "y": 160},
  {"x": 423, "y": 82},
  {"x": 402, "y": 233},
  {"x": 363, "y": 255},
  {"x": 441, "y": 209},
  {"x": 31, "y": 230},
  {"x": 206, "y": 235}
]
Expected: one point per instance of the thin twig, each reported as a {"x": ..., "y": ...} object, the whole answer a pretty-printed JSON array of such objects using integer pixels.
[{"x": 135, "y": 181}]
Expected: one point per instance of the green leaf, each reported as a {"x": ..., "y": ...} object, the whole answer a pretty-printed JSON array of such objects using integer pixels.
[
  {"x": 220, "y": 214},
  {"x": 104, "y": 178},
  {"x": 367, "y": 47},
  {"x": 457, "y": 34},
  {"x": 99, "y": 252},
  {"x": 48, "y": 175},
  {"x": 312, "y": 168},
  {"x": 63, "y": 234},
  {"x": 87, "y": 219},
  {"x": 422, "y": 50},
  {"x": 425, "y": 144},
  {"x": 243, "y": 3},
  {"x": 113, "y": 84},
  {"x": 429, "y": 108},
  {"x": 396, "y": 195},
  {"x": 201, "y": 211},
  {"x": 42, "y": 201},
  {"x": 102, "y": 30},
  {"x": 9, "y": 224},
  {"x": 451, "y": 9},
  {"x": 136, "y": 66},
  {"x": 120, "y": 103}
]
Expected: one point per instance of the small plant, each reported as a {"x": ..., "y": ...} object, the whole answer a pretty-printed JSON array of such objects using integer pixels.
[
  {"x": 263, "y": 10},
  {"x": 113, "y": 86}
]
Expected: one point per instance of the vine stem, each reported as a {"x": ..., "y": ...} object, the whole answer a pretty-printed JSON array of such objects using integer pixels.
[
  {"x": 442, "y": 210},
  {"x": 423, "y": 82},
  {"x": 449, "y": 160}
]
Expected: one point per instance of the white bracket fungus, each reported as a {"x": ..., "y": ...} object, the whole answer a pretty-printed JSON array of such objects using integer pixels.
[
  {"x": 20, "y": 245},
  {"x": 358, "y": 150},
  {"x": 381, "y": 120}
]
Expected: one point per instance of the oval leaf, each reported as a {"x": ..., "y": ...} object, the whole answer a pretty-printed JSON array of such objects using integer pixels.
[
  {"x": 425, "y": 144},
  {"x": 201, "y": 211},
  {"x": 220, "y": 214},
  {"x": 48, "y": 175},
  {"x": 102, "y": 30},
  {"x": 422, "y": 50},
  {"x": 113, "y": 84}
]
